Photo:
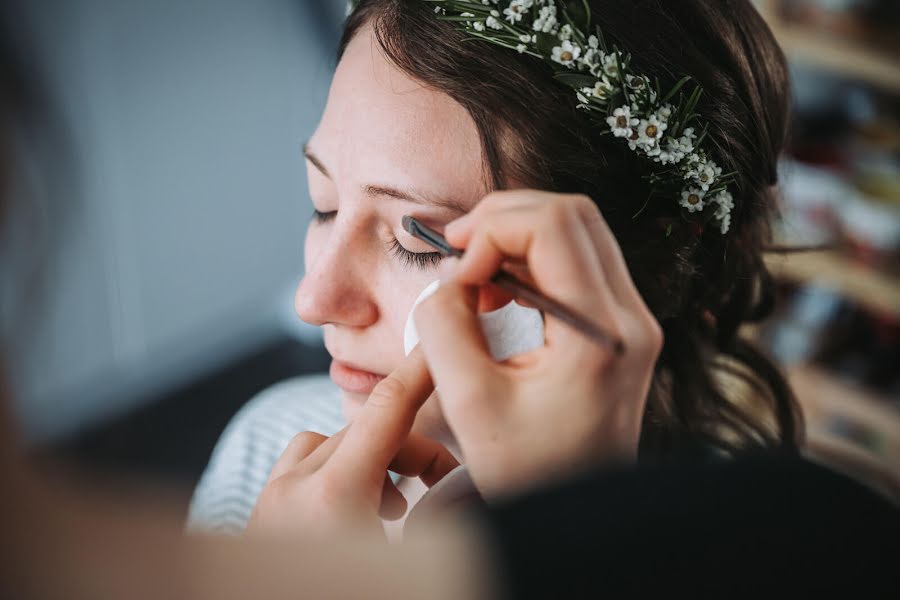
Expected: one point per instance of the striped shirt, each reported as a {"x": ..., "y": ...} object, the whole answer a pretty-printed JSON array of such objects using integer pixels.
[{"x": 253, "y": 442}]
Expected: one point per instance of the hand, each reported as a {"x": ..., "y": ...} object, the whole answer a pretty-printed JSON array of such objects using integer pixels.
[
  {"x": 570, "y": 404},
  {"x": 323, "y": 485}
]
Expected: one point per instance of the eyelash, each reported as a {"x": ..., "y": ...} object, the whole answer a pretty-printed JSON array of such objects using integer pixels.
[
  {"x": 421, "y": 260},
  {"x": 323, "y": 217}
]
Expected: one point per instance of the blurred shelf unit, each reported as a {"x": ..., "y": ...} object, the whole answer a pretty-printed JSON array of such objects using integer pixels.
[
  {"x": 865, "y": 428},
  {"x": 876, "y": 290},
  {"x": 848, "y": 57}
]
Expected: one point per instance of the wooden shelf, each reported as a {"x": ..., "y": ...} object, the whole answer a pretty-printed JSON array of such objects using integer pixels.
[
  {"x": 824, "y": 398},
  {"x": 843, "y": 57},
  {"x": 839, "y": 55},
  {"x": 865, "y": 286}
]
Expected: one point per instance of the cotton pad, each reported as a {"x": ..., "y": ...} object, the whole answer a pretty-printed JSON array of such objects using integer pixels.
[{"x": 510, "y": 330}]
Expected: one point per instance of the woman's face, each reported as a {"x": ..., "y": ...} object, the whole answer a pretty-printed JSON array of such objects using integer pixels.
[{"x": 385, "y": 147}]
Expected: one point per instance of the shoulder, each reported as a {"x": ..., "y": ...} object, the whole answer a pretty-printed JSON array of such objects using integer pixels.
[{"x": 251, "y": 444}]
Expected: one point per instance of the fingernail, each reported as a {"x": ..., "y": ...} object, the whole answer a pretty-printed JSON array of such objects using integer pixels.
[{"x": 448, "y": 268}]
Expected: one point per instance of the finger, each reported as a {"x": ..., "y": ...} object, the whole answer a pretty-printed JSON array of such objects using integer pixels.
[
  {"x": 424, "y": 458},
  {"x": 393, "y": 503},
  {"x": 561, "y": 257},
  {"x": 301, "y": 446},
  {"x": 457, "y": 232},
  {"x": 383, "y": 424},
  {"x": 458, "y": 357}
]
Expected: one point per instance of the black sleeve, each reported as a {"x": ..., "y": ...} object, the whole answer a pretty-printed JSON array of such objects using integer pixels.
[{"x": 749, "y": 528}]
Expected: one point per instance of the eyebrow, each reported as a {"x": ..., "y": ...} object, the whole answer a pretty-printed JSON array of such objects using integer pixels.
[{"x": 372, "y": 190}]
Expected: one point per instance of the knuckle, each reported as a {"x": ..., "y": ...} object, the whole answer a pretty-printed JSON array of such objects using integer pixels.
[
  {"x": 275, "y": 493},
  {"x": 581, "y": 202},
  {"x": 657, "y": 336},
  {"x": 558, "y": 214},
  {"x": 305, "y": 442},
  {"x": 387, "y": 391}
]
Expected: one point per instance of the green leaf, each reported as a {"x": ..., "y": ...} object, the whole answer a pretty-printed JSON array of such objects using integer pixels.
[
  {"x": 546, "y": 42},
  {"x": 576, "y": 80},
  {"x": 675, "y": 89},
  {"x": 578, "y": 17},
  {"x": 469, "y": 6}
]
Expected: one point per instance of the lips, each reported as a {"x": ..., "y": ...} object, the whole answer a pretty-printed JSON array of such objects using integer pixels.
[{"x": 352, "y": 379}]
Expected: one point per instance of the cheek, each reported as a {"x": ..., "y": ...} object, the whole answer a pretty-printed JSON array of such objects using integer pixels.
[
  {"x": 315, "y": 240},
  {"x": 399, "y": 292}
]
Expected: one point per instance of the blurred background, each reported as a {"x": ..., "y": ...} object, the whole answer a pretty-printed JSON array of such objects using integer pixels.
[{"x": 169, "y": 304}]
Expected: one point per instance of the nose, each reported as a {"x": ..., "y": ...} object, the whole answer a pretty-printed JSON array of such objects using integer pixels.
[{"x": 335, "y": 289}]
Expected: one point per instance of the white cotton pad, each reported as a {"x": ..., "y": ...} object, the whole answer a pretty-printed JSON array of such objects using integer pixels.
[{"x": 510, "y": 330}]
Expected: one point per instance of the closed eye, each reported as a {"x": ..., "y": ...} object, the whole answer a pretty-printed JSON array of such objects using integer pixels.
[
  {"x": 421, "y": 260},
  {"x": 323, "y": 217}
]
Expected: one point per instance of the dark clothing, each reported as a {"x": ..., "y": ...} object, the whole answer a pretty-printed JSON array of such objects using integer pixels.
[{"x": 754, "y": 527}]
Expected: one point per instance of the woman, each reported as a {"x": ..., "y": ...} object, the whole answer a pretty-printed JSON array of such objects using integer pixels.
[
  {"x": 62, "y": 540},
  {"x": 421, "y": 119}
]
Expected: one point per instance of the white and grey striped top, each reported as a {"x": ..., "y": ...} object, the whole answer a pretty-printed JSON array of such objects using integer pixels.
[{"x": 252, "y": 443}]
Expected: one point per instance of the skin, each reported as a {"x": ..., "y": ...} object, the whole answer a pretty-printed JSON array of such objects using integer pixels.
[
  {"x": 569, "y": 405},
  {"x": 380, "y": 129},
  {"x": 518, "y": 423}
]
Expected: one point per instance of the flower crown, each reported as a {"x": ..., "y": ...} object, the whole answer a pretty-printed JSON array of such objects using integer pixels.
[{"x": 627, "y": 105}]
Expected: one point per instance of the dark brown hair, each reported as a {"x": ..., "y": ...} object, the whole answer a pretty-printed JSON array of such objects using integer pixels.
[{"x": 712, "y": 389}]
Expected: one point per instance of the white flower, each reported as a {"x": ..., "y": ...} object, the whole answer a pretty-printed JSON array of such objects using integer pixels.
[
  {"x": 516, "y": 9},
  {"x": 566, "y": 53},
  {"x": 670, "y": 152},
  {"x": 622, "y": 123},
  {"x": 593, "y": 42},
  {"x": 704, "y": 172},
  {"x": 674, "y": 150},
  {"x": 725, "y": 224},
  {"x": 637, "y": 83},
  {"x": 493, "y": 20},
  {"x": 692, "y": 199},
  {"x": 565, "y": 32},
  {"x": 521, "y": 48},
  {"x": 589, "y": 59},
  {"x": 546, "y": 20},
  {"x": 610, "y": 65},
  {"x": 725, "y": 202},
  {"x": 525, "y": 38},
  {"x": 650, "y": 132},
  {"x": 603, "y": 89},
  {"x": 478, "y": 25},
  {"x": 686, "y": 141},
  {"x": 691, "y": 161}
]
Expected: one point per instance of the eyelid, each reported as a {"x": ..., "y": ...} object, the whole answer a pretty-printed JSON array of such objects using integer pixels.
[
  {"x": 323, "y": 217},
  {"x": 421, "y": 260}
]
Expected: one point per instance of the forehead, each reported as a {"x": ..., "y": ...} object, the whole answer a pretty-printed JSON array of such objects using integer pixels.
[{"x": 380, "y": 125}]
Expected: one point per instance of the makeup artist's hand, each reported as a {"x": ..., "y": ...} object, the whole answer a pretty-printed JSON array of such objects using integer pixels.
[
  {"x": 322, "y": 486},
  {"x": 570, "y": 404}
]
